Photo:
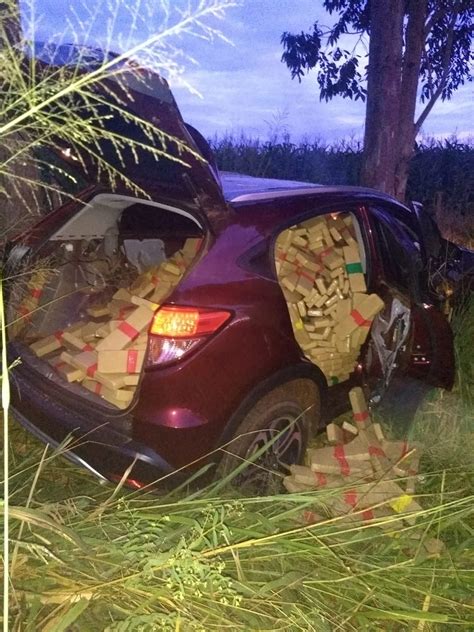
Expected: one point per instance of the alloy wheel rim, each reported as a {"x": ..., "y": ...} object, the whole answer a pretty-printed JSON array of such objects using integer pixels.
[{"x": 284, "y": 451}]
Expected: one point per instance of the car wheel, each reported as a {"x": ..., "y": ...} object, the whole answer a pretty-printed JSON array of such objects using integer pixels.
[{"x": 283, "y": 420}]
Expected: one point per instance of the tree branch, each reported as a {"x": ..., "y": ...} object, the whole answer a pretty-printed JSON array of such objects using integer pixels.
[
  {"x": 444, "y": 75},
  {"x": 433, "y": 19}
]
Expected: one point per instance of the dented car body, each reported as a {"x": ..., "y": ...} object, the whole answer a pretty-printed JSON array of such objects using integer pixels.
[{"x": 221, "y": 341}]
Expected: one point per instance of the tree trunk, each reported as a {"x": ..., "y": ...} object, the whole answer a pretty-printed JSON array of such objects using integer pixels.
[
  {"x": 415, "y": 39},
  {"x": 383, "y": 94}
]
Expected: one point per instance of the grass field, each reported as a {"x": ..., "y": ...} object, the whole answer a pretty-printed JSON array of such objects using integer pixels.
[
  {"x": 441, "y": 172},
  {"x": 90, "y": 557}
]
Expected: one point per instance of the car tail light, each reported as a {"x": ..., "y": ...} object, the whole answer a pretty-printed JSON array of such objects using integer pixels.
[{"x": 175, "y": 331}]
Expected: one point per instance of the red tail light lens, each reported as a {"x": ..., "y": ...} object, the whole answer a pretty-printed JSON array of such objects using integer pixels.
[
  {"x": 187, "y": 322},
  {"x": 175, "y": 331}
]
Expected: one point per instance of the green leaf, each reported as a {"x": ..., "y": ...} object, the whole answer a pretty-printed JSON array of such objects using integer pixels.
[
  {"x": 282, "y": 582},
  {"x": 414, "y": 615},
  {"x": 39, "y": 519},
  {"x": 62, "y": 622}
]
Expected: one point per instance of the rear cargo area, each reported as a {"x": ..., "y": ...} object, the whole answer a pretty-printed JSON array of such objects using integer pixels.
[{"x": 82, "y": 309}]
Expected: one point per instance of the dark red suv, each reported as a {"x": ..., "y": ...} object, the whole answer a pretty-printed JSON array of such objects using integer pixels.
[{"x": 222, "y": 360}]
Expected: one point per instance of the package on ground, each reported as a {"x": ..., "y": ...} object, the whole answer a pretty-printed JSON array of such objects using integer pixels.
[{"x": 369, "y": 476}]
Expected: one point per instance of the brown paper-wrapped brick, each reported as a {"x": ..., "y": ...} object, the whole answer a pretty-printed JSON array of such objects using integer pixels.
[
  {"x": 117, "y": 380},
  {"x": 86, "y": 361},
  {"x": 378, "y": 432},
  {"x": 361, "y": 316},
  {"x": 330, "y": 259},
  {"x": 69, "y": 372},
  {"x": 359, "y": 407},
  {"x": 122, "y": 295},
  {"x": 73, "y": 342},
  {"x": 161, "y": 292},
  {"x": 127, "y": 331},
  {"x": 31, "y": 301},
  {"x": 354, "y": 269},
  {"x": 350, "y": 428},
  {"x": 98, "y": 311},
  {"x": 335, "y": 460},
  {"x": 171, "y": 268},
  {"x": 191, "y": 247},
  {"x": 106, "y": 328},
  {"x": 290, "y": 282},
  {"x": 305, "y": 475},
  {"x": 127, "y": 361},
  {"x": 137, "y": 300},
  {"x": 47, "y": 345},
  {"x": 334, "y": 434},
  {"x": 120, "y": 310},
  {"x": 143, "y": 289},
  {"x": 89, "y": 331},
  {"x": 304, "y": 284},
  {"x": 119, "y": 397},
  {"x": 293, "y": 487}
]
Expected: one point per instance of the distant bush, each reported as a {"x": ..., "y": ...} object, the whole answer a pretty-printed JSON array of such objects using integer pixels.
[{"x": 441, "y": 173}]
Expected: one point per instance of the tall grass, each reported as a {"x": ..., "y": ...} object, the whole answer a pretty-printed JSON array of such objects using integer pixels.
[
  {"x": 89, "y": 557},
  {"x": 441, "y": 172},
  {"x": 43, "y": 106},
  {"x": 141, "y": 563}
]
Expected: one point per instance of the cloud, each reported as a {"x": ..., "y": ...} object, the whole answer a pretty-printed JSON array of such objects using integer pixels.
[{"x": 246, "y": 86}]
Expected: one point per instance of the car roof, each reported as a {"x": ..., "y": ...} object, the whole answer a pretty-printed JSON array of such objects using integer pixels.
[
  {"x": 236, "y": 185},
  {"x": 239, "y": 188}
]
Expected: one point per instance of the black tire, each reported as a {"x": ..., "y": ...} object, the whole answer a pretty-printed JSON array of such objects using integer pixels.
[{"x": 295, "y": 405}]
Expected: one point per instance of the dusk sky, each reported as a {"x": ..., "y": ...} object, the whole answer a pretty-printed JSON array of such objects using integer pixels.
[{"x": 245, "y": 86}]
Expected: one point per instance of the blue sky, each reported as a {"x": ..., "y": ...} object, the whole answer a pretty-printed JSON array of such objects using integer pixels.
[{"x": 244, "y": 86}]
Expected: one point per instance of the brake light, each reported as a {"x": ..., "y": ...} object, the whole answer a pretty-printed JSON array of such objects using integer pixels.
[
  {"x": 187, "y": 322},
  {"x": 175, "y": 331}
]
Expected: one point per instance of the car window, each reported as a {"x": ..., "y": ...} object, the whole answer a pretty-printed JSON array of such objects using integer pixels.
[
  {"x": 402, "y": 215},
  {"x": 356, "y": 226},
  {"x": 397, "y": 249}
]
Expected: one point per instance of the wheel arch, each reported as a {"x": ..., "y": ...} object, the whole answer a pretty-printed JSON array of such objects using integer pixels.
[{"x": 288, "y": 374}]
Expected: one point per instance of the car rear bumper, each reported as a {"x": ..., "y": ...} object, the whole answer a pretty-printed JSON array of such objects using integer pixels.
[{"x": 99, "y": 441}]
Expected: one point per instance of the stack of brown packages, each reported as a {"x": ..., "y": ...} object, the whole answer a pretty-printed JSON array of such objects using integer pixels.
[
  {"x": 383, "y": 473},
  {"x": 320, "y": 270},
  {"x": 106, "y": 352},
  {"x": 31, "y": 299}
]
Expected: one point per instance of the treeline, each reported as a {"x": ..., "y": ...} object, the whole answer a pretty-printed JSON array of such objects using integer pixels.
[{"x": 441, "y": 174}]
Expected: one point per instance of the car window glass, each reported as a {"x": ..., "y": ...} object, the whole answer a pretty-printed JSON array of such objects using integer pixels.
[{"x": 396, "y": 247}]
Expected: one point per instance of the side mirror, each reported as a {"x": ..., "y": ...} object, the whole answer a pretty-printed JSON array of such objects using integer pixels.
[{"x": 430, "y": 237}]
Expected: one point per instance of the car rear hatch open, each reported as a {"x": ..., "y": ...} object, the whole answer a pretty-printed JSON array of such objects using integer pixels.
[
  {"x": 80, "y": 312},
  {"x": 145, "y": 145},
  {"x": 93, "y": 272}
]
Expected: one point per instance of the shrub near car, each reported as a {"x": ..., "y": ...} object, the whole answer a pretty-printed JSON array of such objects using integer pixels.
[{"x": 219, "y": 310}]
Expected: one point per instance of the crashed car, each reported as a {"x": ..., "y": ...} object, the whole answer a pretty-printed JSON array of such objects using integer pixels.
[{"x": 217, "y": 315}]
